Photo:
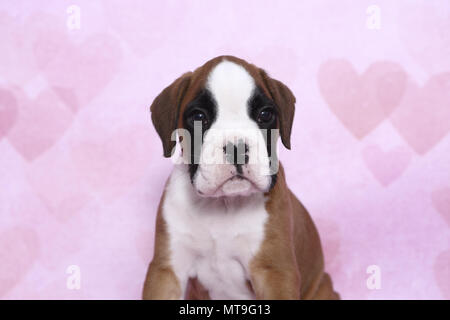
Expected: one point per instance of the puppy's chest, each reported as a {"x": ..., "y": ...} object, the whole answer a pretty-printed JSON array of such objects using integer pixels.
[
  {"x": 216, "y": 243},
  {"x": 219, "y": 258}
]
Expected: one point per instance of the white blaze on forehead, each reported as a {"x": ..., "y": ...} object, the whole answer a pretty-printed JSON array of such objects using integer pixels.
[{"x": 231, "y": 86}]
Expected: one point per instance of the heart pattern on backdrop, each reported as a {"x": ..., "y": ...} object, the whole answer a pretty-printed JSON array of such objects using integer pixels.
[
  {"x": 41, "y": 122},
  {"x": 441, "y": 202},
  {"x": 423, "y": 117},
  {"x": 361, "y": 102},
  {"x": 78, "y": 72},
  {"x": 386, "y": 166},
  {"x": 91, "y": 180}
]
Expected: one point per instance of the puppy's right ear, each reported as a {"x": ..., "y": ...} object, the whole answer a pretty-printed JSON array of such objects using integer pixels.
[{"x": 165, "y": 111}]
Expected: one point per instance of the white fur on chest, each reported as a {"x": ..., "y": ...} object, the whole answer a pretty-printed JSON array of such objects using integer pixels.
[{"x": 212, "y": 239}]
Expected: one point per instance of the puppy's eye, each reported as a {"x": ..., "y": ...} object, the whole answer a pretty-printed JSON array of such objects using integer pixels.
[
  {"x": 265, "y": 116},
  {"x": 199, "y": 116}
]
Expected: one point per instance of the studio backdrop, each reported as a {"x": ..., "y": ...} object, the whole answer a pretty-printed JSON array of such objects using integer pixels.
[{"x": 82, "y": 168}]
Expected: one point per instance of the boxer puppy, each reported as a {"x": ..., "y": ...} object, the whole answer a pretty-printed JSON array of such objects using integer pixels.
[{"x": 227, "y": 226}]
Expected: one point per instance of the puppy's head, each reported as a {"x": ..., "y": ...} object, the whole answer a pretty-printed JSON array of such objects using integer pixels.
[{"x": 228, "y": 115}]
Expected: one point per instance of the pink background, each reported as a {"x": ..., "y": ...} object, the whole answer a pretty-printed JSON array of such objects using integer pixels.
[{"x": 81, "y": 167}]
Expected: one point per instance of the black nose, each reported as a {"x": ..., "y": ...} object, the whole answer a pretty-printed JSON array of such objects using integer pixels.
[{"x": 236, "y": 154}]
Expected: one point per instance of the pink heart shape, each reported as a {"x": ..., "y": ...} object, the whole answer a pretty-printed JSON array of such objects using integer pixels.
[
  {"x": 8, "y": 111},
  {"x": 441, "y": 202},
  {"x": 442, "y": 273},
  {"x": 423, "y": 117},
  {"x": 386, "y": 166},
  {"x": 41, "y": 122},
  {"x": 78, "y": 73},
  {"x": 361, "y": 103},
  {"x": 19, "y": 248}
]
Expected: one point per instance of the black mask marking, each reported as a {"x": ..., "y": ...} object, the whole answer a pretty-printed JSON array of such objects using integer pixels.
[{"x": 259, "y": 105}]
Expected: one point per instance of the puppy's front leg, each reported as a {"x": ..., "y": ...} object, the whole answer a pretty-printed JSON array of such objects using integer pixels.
[
  {"x": 273, "y": 283},
  {"x": 161, "y": 283}
]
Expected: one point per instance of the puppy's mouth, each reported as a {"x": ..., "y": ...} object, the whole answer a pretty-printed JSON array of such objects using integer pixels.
[{"x": 236, "y": 185}]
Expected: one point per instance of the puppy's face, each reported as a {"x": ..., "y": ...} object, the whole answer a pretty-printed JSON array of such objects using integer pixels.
[{"x": 228, "y": 117}]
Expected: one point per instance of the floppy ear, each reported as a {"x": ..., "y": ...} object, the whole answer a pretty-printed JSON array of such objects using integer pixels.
[
  {"x": 165, "y": 111},
  {"x": 285, "y": 103}
]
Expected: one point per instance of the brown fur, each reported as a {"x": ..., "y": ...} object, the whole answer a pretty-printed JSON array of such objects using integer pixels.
[
  {"x": 290, "y": 263},
  {"x": 161, "y": 281}
]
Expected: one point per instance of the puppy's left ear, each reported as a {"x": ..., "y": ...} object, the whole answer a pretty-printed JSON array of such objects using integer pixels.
[
  {"x": 285, "y": 103},
  {"x": 165, "y": 110}
]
